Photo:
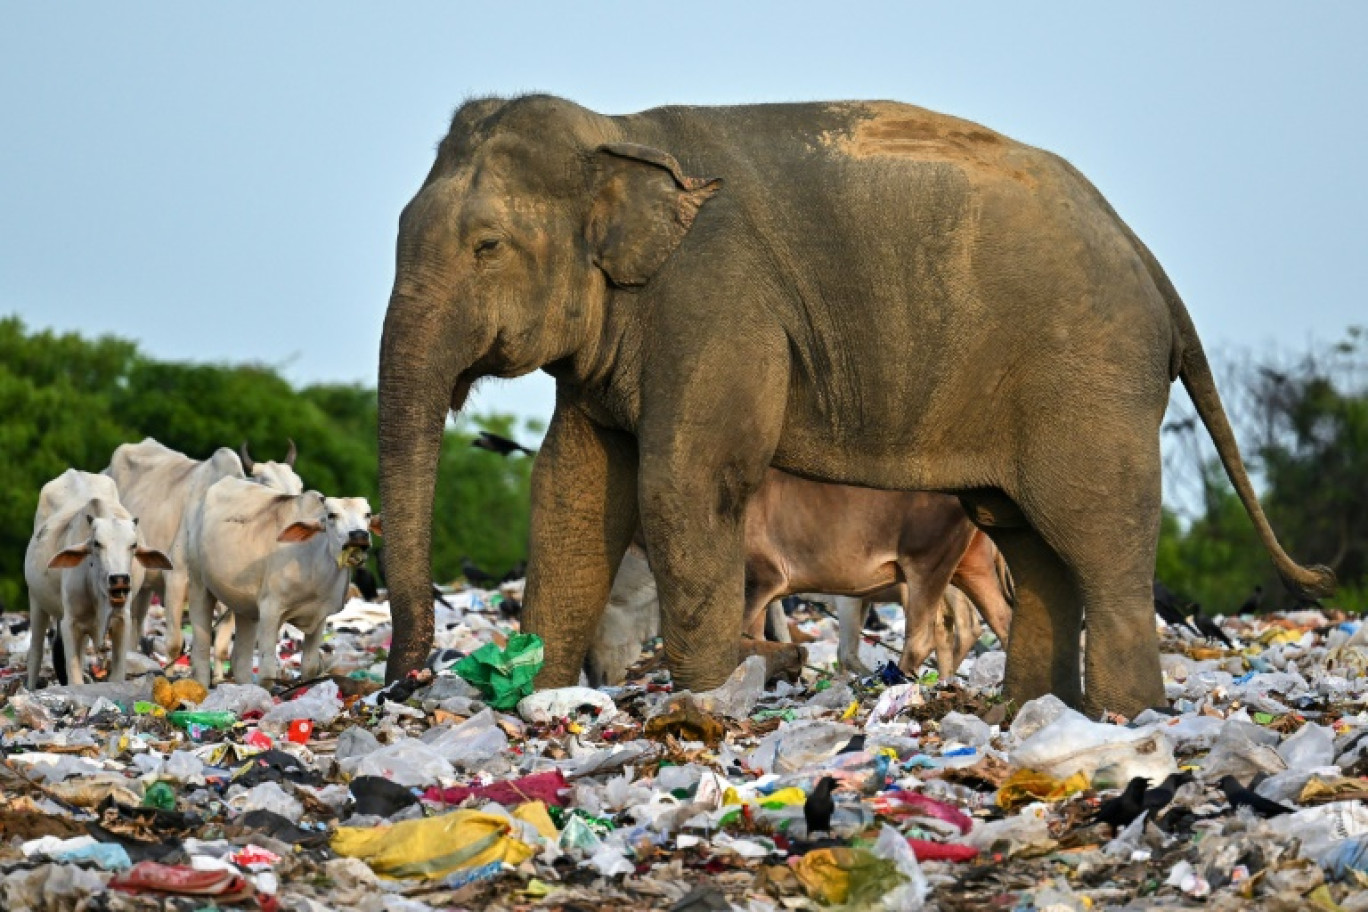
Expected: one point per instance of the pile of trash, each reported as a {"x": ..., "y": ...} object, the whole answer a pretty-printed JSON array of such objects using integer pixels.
[{"x": 462, "y": 787}]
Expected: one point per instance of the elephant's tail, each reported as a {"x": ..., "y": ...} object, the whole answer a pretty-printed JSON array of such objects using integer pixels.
[{"x": 1191, "y": 366}]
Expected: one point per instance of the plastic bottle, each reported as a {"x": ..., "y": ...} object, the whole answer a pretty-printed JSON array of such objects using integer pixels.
[{"x": 203, "y": 719}]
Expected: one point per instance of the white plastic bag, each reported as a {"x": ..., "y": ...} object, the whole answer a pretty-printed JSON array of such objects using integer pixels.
[
  {"x": 564, "y": 702},
  {"x": 1108, "y": 755}
]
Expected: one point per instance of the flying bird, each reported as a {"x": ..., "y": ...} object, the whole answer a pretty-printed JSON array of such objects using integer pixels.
[
  {"x": 818, "y": 808},
  {"x": 501, "y": 445},
  {"x": 1124, "y": 808},
  {"x": 1239, "y": 796}
]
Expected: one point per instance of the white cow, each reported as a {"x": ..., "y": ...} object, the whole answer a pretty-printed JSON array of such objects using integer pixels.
[
  {"x": 159, "y": 485},
  {"x": 272, "y": 559},
  {"x": 83, "y": 565}
]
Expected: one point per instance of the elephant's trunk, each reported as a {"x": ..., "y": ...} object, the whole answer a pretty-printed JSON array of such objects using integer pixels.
[{"x": 420, "y": 379}]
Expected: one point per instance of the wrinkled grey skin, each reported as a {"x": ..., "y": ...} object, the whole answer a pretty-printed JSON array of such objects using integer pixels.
[{"x": 864, "y": 293}]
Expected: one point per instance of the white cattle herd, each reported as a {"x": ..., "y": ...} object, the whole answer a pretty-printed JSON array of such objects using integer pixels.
[{"x": 226, "y": 529}]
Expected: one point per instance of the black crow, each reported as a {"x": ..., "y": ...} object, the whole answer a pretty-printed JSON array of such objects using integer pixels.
[
  {"x": 365, "y": 582},
  {"x": 1124, "y": 808},
  {"x": 519, "y": 571},
  {"x": 59, "y": 657},
  {"x": 1156, "y": 799},
  {"x": 1239, "y": 796},
  {"x": 1170, "y": 608},
  {"x": 818, "y": 808},
  {"x": 1209, "y": 628},
  {"x": 501, "y": 445},
  {"x": 477, "y": 577},
  {"x": 1251, "y": 604}
]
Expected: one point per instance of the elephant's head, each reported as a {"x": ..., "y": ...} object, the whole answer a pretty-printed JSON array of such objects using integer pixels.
[{"x": 534, "y": 211}]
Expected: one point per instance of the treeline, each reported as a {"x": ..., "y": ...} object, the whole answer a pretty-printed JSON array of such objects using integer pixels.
[
  {"x": 1302, "y": 422},
  {"x": 67, "y": 401}
]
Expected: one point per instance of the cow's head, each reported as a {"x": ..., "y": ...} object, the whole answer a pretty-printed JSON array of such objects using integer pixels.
[
  {"x": 278, "y": 476},
  {"x": 116, "y": 558},
  {"x": 346, "y": 521}
]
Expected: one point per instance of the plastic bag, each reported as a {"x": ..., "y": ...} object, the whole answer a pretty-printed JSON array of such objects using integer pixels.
[
  {"x": 1312, "y": 745},
  {"x": 854, "y": 876},
  {"x": 564, "y": 703},
  {"x": 739, "y": 693},
  {"x": 988, "y": 671},
  {"x": 1028, "y": 786},
  {"x": 1236, "y": 753},
  {"x": 474, "y": 741},
  {"x": 912, "y": 894},
  {"x": 268, "y": 796},
  {"x": 968, "y": 730},
  {"x": 545, "y": 787},
  {"x": 408, "y": 762},
  {"x": 504, "y": 676},
  {"x": 893, "y": 701},
  {"x": 238, "y": 699},
  {"x": 320, "y": 704},
  {"x": 355, "y": 742},
  {"x": 433, "y": 847},
  {"x": 1109, "y": 755},
  {"x": 795, "y": 746}
]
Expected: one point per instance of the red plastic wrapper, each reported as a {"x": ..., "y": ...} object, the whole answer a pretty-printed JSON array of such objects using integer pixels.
[
  {"x": 260, "y": 740},
  {"x": 182, "y": 880},
  {"x": 300, "y": 731},
  {"x": 907, "y": 804},
  {"x": 926, "y": 850},
  {"x": 254, "y": 858},
  {"x": 536, "y": 787}
]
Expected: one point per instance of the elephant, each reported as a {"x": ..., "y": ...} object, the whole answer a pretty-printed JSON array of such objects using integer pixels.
[{"x": 864, "y": 293}]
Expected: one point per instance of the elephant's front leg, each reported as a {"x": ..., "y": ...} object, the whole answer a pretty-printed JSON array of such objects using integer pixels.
[{"x": 583, "y": 515}]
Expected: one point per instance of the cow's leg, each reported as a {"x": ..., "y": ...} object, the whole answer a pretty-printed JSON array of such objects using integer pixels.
[
  {"x": 38, "y": 626},
  {"x": 223, "y": 636},
  {"x": 73, "y": 641},
  {"x": 267, "y": 641},
  {"x": 119, "y": 631},
  {"x": 175, "y": 591},
  {"x": 244, "y": 648},
  {"x": 776, "y": 622},
  {"x": 137, "y": 612},
  {"x": 311, "y": 658},
  {"x": 848, "y": 624},
  {"x": 201, "y": 626}
]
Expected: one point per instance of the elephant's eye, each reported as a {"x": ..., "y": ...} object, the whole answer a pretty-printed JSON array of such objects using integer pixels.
[{"x": 486, "y": 246}]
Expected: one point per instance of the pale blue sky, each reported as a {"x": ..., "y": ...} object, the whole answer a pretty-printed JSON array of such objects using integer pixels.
[{"x": 223, "y": 182}]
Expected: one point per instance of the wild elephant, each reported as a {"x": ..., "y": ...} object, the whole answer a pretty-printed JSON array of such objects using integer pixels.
[{"x": 866, "y": 293}]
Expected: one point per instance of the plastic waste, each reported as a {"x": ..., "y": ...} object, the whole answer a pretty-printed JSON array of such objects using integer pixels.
[
  {"x": 239, "y": 699},
  {"x": 1027, "y": 786},
  {"x": 686, "y": 720},
  {"x": 1236, "y": 753},
  {"x": 739, "y": 693},
  {"x": 1311, "y": 746},
  {"x": 408, "y": 762},
  {"x": 504, "y": 676},
  {"x": 355, "y": 742},
  {"x": 473, "y": 742},
  {"x": 893, "y": 701},
  {"x": 1010, "y": 835},
  {"x": 796, "y": 746},
  {"x": 988, "y": 671},
  {"x": 170, "y": 695},
  {"x": 857, "y": 877},
  {"x": 964, "y": 729},
  {"x": 549, "y": 787},
  {"x": 203, "y": 720},
  {"x": 161, "y": 796},
  {"x": 267, "y": 796},
  {"x": 566, "y": 702},
  {"x": 1038, "y": 713},
  {"x": 433, "y": 847},
  {"x": 320, "y": 704},
  {"x": 1109, "y": 755},
  {"x": 150, "y": 877}
]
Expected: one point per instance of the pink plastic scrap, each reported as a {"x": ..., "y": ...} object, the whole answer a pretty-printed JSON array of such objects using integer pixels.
[
  {"x": 545, "y": 787},
  {"x": 901, "y": 803}
]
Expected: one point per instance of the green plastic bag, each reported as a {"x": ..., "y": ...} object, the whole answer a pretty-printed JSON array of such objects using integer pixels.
[{"x": 504, "y": 676}]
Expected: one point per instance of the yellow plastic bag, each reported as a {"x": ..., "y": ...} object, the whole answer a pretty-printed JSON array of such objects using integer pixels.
[
  {"x": 784, "y": 797},
  {"x": 838, "y": 876},
  {"x": 1025, "y": 786},
  {"x": 435, "y": 846},
  {"x": 534, "y": 812}
]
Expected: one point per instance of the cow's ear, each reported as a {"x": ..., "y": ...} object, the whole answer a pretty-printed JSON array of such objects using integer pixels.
[
  {"x": 375, "y": 525},
  {"x": 300, "y": 531},
  {"x": 153, "y": 560},
  {"x": 71, "y": 557}
]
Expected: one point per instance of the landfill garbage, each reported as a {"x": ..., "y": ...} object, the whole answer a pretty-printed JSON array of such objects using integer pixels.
[
  {"x": 440, "y": 791},
  {"x": 504, "y": 676}
]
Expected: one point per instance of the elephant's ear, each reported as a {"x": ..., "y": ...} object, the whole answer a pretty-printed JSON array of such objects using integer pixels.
[{"x": 643, "y": 206}]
